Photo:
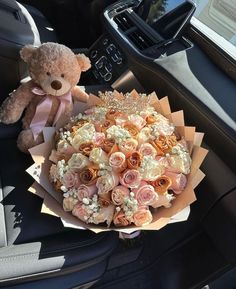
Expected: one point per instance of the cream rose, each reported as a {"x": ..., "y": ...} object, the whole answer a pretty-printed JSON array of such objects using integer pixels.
[
  {"x": 142, "y": 216},
  {"x": 137, "y": 120},
  {"x": 84, "y": 191},
  {"x": 164, "y": 200},
  {"x": 127, "y": 147},
  {"x": 83, "y": 134},
  {"x": 107, "y": 182},
  {"x": 130, "y": 179},
  {"x": 98, "y": 156},
  {"x": 144, "y": 135},
  {"x": 69, "y": 204},
  {"x": 151, "y": 169},
  {"x": 105, "y": 214},
  {"x": 77, "y": 162},
  {"x": 118, "y": 162},
  {"x": 145, "y": 194},
  {"x": 118, "y": 195},
  {"x": 179, "y": 160}
]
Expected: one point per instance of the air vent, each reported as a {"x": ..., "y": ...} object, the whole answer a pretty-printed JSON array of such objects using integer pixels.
[
  {"x": 123, "y": 22},
  {"x": 140, "y": 40}
]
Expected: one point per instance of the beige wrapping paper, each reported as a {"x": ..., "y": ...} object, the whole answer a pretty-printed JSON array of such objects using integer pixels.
[{"x": 179, "y": 211}]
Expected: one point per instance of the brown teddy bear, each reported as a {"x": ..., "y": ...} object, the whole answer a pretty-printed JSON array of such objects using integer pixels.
[{"x": 54, "y": 70}]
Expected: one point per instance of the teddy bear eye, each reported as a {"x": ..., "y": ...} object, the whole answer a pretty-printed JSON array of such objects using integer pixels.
[
  {"x": 62, "y": 75},
  {"x": 48, "y": 73}
]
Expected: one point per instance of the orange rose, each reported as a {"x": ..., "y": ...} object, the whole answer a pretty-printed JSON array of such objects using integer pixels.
[
  {"x": 131, "y": 128},
  {"x": 88, "y": 176},
  {"x": 104, "y": 199},
  {"x": 86, "y": 148},
  {"x": 134, "y": 160},
  {"x": 164, "y": 144},
  {"x": 161, "y": 184},
  {"x": 78, "y": 124},
  {"x": 107, "y": 144},
  {"x": 106, "y": 124},
  {"x": 150, "y": 119},
  {"x": 112, "y": 114}
]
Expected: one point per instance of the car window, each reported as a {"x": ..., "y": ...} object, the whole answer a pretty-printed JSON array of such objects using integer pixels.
[{"x": 218, "y": 15}]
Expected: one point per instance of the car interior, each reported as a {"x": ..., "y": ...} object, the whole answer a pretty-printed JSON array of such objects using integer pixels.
[{"x": 129, "y": 48}]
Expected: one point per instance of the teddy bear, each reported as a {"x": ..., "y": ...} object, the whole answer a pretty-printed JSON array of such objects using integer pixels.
[{"x": 54, "y": 70}]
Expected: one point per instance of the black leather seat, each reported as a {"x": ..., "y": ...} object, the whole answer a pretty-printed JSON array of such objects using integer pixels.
[{"x": 34, "y": 245}]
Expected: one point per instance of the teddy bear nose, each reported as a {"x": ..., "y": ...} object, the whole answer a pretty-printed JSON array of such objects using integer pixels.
[{"x": 56, "y": 84}]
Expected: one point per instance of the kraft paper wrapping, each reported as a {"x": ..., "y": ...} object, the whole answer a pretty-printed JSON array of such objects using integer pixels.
[{"x": 180, "y": 209}]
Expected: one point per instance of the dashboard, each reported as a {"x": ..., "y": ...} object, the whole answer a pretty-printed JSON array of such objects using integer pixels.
[{"x": 163, "y": 57}]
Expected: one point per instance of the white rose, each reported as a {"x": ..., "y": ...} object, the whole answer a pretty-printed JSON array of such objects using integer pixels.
[
  {"x": 69, "y": 204},
  {"x": 83, "y": 134},
  {"x": 144, "y": 135},
  {"x": 77, "y": 162},
  {"x": 151, "y": 169},
  {"x": 98, "y": 156}
]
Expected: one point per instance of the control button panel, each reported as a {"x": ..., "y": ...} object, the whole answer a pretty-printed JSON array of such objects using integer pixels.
[
  {"x": 114, "y": 53},
  {"x": 106, "y": 60}
]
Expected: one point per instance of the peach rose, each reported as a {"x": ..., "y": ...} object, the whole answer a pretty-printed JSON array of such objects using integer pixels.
[
  {"x": 130, "y": 179},
  {"x": 107, "y": 183},
  {"x": 120, "y": 220},
  {"x": 137, "y": 120},
  {"x": 134, "y": 160},
  {"x": 179, "y": 181},
  {"x": 84, "y": 191},
  {"x": 118, "y": 194},
  {"x": 147, "y": 149},
  {"x": 142, "y": 216},
  {"x": 128, "y": 146},
  {"x": 71, "y": 180},
  {"x": 98, "y": 138},
  {"x": 88, "y": 176},
  {"x": 69, "y": 204},
  {"x": 161, "y": 184},
  {"x": 145, "y": 194},
  {"x": 118, "y": 162},
  {"x": 80, "y": 212}
]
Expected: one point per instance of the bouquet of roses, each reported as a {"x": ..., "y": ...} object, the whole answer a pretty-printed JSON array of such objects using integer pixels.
[{"x": 123, "y": 162}]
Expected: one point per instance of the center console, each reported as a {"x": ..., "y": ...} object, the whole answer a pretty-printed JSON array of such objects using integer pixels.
[{"x": 142, "y": 28}]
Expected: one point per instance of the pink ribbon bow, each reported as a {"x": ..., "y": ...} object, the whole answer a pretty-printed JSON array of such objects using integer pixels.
[{"x": 43, "y": 110}]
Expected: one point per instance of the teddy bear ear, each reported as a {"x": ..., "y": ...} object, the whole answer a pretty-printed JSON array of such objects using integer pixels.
[
  {"x": 83, "y": 61},
  {"x": 27, "y": 52}
]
